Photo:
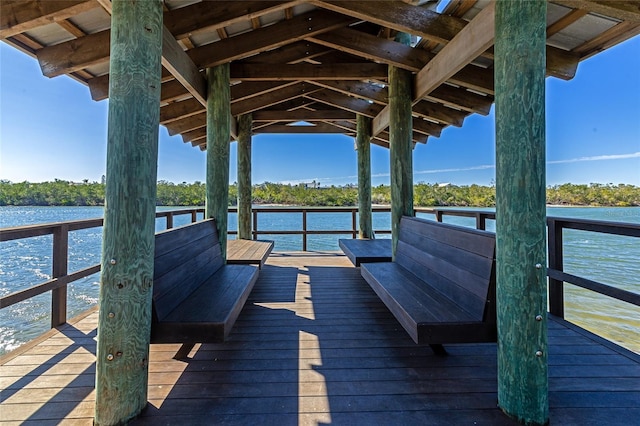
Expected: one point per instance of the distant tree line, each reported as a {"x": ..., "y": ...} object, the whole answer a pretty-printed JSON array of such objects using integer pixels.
[{"x": 65, "y": 193}]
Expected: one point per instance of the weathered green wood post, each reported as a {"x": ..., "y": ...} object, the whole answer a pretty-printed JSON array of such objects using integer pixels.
[
  {"x": 363, "y": 143},
  {"x": 244, "y": 176},
  {"x": 400, "y": 144},
  {"x": 218, "y": 132},
  {"x": 129, "y": 218},
  {"x": 520, "y": 210}
]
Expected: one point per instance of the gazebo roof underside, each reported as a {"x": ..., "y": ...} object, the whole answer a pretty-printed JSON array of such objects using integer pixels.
[{"x": 317, "y": 63}]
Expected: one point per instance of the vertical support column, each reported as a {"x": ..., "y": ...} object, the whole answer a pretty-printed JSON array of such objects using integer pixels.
[
  {"x": 218, "y": 133},
  {"x": 520, "y": 210},
  {"x": 400, "y": 145},
  {"x": 363, "y": 143},
  {"x": 244, "y": 176},
  {"x": 129, "y": 218}
]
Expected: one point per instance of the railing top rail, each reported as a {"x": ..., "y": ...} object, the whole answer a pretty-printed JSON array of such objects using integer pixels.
[
  {"x": 26, "y": 231},
  {"x": 603, "y": 226}
]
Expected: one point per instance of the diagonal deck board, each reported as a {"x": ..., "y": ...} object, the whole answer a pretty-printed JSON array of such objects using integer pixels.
[{"x": 314, "y": 345}]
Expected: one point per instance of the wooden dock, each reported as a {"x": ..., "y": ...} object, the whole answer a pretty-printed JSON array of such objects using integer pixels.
[{"x": 314, "y": 345}]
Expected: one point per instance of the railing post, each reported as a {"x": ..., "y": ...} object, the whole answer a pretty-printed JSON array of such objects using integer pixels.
[
  {"x": 60, "y": 263},
  {"x": 481, "y": 221},
  {"x": 255, "y": 224},
  {"x": 439, "y": 214},
  {"x": 304, "y": 229},
  {"x": 169, "y": 220},
  {"x": 354, "y": 223},
  {"x": 556, "y": 287}
]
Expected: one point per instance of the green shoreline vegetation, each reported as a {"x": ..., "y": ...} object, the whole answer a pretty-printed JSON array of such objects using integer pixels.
[{"x": 65, "y": 193}]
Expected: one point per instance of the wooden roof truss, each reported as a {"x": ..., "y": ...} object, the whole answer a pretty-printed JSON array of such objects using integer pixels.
[{"x": 319, "y": 63}]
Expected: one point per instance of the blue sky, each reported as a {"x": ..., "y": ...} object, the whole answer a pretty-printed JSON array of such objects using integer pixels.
[{"x": 50, "y": 128}]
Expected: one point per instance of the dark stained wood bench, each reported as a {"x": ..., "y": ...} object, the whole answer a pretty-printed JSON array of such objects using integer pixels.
[
  {"x": 196, "y": 296},
  {"x": 441, "y": 286},
  {"x": 366, "y": 251},
  {"x": 248, "y": 252}
]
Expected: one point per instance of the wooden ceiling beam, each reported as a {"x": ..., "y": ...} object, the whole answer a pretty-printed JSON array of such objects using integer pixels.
[
  {"x": 460, "y": 98},
  {"x": 299, "y": 115},
  {"x": 194, "y": 134},
  {"x": 271, "y": 98},
  {"x": 303, "y": 71},
  {"x": 468, "y": 44},
  {"x": 348, "y": 103},
  {"x": 359, "y": 89},
  {"x": 273, "y": 36},
  {"x": 290, "y": 54},
  {"x": 426, "y": 127},
  {"x": 624, "y": 10},
  {"x": 176, "y": 61},
  {"x": 614, "y": 35},
  {"x": 187, "y": 124},
  {"x": 250, "y": 89},
  {"x": 440, "y": 113},
  {"x": 374, "y": 48},
  {"x": 400, "y": 17},
  {"x": 285, "y": 129},
  {"x": 74, "y": 55},
  {"x": 205, "y": 16},
  {"x": 178, "y": 110},
  {"x": 18, "y": 16}
]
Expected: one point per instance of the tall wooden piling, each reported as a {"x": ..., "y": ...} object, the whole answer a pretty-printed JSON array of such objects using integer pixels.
[
  {"x": 520, "y": 210},
  {"x": 244, "y": 176},
  {"x": 218, "y": 133},
  {"x": 400, "y": 145},
  {"x": 363, "y": 143},
  {"x": 129, "y": 217}
]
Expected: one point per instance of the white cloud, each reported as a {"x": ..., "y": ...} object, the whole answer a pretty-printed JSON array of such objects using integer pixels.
[
  {"x": 597, "y": 158},
  {"x": 462, "y": 169}
]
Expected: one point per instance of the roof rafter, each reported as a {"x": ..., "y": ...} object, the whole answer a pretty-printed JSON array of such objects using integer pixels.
[
  {"x": 273, "y": 36},
  {"x": 467, "y": 45},
  {"x": 18, "y": 16},
  {"x": 304, "y": 71}
]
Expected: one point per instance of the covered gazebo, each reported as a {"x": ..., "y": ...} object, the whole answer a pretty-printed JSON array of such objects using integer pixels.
[{"x": 390, "y": 73}]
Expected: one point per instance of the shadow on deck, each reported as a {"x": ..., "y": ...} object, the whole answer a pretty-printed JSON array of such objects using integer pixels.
[{"x": 314, "y": 345}]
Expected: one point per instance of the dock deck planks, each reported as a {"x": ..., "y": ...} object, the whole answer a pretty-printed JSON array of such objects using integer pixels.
[{"x": 314, "y": 345}]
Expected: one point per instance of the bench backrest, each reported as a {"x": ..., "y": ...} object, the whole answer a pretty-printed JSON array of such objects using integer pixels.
[
  {"x": 458, "y": 262},
  {"x": 184, "y": 257}
]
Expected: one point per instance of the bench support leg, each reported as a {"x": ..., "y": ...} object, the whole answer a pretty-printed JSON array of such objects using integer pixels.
[
  {"x": 438, "y": 349},
  {"x": 184, "y": 350}
]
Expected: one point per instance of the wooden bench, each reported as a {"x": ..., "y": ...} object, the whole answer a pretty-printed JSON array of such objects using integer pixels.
[
  {"x": 248, "y": 252},
  {"x": 441, "y": 286},
  {"x": 196, "y": 297},
  {"x": 366, "y": 251}
]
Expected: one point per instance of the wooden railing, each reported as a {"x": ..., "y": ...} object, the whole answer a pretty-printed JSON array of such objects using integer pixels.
[
  {"x": 555, "y": 271},
  {"x": 60, "y": 276}
]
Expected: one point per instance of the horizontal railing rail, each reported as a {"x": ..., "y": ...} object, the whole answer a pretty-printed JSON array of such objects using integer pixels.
[{"x": 555, "y": 271}]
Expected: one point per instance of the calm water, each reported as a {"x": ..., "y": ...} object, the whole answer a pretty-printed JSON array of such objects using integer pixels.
[{"x": 23, "y": 263}]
